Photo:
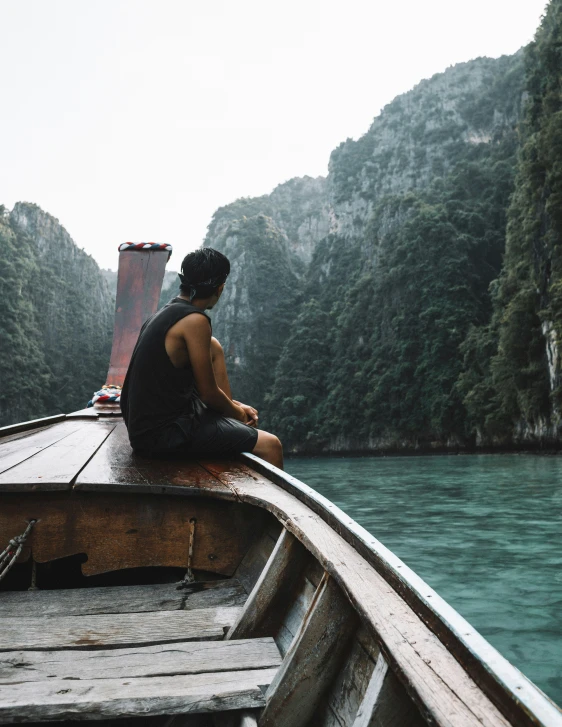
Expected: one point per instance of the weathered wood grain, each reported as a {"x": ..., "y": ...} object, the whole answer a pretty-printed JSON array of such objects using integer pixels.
[
  {"x": 55, "y": 466},
  {"x": 433, "y": 677},
  {"x": 115, "y": 467},
  {"x": 119, "y": 531},
  {"x": 254, "y": 560},
  {"x": 371, "y": 696},
  {"x": 98, "y": 631},
  {"x": 298, "y": 604},
  {"x": 386, "y": 703},
  {"x": 263, "y": 610},
  {"x": 347, "y": 692},
  {"x": 194, "y": 657},
  {"x": 33, "y": 424},
  {"x": 88, "y": 413},
  {"x": 312, "y": 661},
  {"x": 130, "y": 697},
  {"x": 123, "y": 599},
  {"x": 19, "y": 447}
]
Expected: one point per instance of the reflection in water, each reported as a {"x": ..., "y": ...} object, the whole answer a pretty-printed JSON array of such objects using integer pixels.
[{"x": 483, "y": 530}]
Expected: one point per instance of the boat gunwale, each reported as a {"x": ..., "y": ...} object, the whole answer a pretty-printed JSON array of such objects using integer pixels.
[
  {"x": 493, "y": 673},
  {"x": 32, "y": 424},
  {"x": 483, "y": 662}
]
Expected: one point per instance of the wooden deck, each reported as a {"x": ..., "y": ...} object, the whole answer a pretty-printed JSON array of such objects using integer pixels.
[
  {"x": 128, "y": 663},
  {"x": 328, "y": 630}
]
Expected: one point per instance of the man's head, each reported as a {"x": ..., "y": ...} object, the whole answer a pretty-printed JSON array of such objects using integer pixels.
[{"x": 203, "y": 274}]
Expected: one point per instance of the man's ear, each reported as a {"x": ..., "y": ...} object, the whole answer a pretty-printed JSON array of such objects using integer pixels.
[{"x": 219, "y": 290}]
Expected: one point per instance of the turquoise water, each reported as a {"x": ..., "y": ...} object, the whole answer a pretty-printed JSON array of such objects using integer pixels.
[{"x": 485, "y": 531}]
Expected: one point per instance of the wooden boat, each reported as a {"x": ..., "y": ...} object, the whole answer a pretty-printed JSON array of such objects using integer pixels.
[{"x": 220, "y": 593}]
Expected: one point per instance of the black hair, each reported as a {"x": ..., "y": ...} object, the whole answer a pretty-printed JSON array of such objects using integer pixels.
[{"x": 202, "y": 271}]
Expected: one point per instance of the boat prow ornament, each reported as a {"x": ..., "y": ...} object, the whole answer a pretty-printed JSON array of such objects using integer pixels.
[{"x": 139, "y": 282}]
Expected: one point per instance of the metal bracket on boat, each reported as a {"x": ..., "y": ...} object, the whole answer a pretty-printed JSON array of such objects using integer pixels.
[
  {"x": 189, "y": 577},
  {"x": 12, "y": 551}
]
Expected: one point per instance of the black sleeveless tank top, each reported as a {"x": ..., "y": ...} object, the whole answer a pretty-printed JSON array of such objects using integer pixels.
[{"x": 155, "y": 393}]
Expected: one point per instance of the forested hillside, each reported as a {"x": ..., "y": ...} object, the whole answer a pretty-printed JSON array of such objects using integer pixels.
[
  {"x": 56, "y": 320},
  {"x": 413, "y": 298},
  {"x": 401, "y": 325},
  {"x": 512, "y": 365}
]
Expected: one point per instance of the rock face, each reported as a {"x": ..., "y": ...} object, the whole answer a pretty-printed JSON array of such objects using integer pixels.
[
  {"x": 256, "y": 308},
  {"x": 58, "y": 317},
  {"x": 300, "y": 208},
  {"x": 427, "y": 185}
]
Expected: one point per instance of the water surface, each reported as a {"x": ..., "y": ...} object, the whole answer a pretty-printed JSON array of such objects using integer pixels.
[{"x": 485, "y": 531}]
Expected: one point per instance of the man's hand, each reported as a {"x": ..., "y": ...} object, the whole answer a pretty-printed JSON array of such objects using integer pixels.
[{"x": 250, "y": 412}]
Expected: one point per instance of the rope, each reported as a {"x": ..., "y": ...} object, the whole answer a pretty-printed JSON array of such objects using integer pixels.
[
  {"x": 12, "y": 551},
  {"x": 189, "y": 577},
  {"x": 148, "y": 246},
  {"x": 108, "y": 394}
]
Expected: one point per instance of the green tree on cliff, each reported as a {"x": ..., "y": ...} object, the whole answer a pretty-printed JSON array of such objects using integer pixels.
[{"x": 528, "y": 294}]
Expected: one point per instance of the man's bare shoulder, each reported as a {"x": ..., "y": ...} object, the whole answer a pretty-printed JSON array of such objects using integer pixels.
[{"x": 195, "y": 323}]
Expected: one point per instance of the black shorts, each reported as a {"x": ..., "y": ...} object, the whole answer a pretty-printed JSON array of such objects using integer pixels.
[{"x": 212, "y": 435}]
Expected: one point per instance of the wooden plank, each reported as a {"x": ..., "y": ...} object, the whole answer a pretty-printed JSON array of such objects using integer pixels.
[
  {"x": 284, "y": 639},
  {"x": 372, "y": 693},
  {"x": 88, "y": 413},
  {"x": 123, "y": 599},
  {"x": 115, "y": 467},
  {"x": 312, "y": 661},
  {"x": 254, "y": 560},
  {"x": 386, "y": 703},
  {"x": 194, "y": 657},
  {"x": 119, "y": 531},
  {"x": 26, "y": 433},
  {"x": 33, "y": 424},
  {"x": 54, "y": 467},
  {"x": 262, "y": 612},
  {"x": 143, "y": 697},
  {"x": 120, "y": 629},
  {"x": 298, "y": 606},
  {"x": 347, "y": 691},
  {"x": 19, "y": 447},
  {"x": 433, "y": 677}
]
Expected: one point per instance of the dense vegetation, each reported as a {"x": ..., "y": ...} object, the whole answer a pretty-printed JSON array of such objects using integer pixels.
[
  {"x": 512, "y": 368},
  {"x": 56, "y": 319},
  {"x": 412, "y": 298},
  {"x": 409, "y": 327}
]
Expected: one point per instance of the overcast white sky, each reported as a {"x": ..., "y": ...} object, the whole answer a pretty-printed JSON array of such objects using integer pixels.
[{"x": 136, "y": 119}]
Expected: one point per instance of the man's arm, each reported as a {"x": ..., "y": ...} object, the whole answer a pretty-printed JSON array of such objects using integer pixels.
[{"x": 196, "y": 333}]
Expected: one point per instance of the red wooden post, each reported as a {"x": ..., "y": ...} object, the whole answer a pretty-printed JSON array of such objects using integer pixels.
[{"x": 139, "y": 282}]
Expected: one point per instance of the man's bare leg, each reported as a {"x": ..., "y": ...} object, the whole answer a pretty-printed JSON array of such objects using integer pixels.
[{"x": 268, "y": 446}]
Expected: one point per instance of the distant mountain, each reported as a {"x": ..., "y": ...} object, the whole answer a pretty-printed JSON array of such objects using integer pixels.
[
  {"x": 350, "y": 296},
  {"x": 56, "y": 318}
]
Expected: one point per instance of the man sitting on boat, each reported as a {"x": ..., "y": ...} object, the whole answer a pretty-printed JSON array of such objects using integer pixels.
[{"x": 176, "y": 397}]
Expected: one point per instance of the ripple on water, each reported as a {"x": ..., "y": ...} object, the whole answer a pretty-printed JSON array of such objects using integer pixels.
[{"x": 483, "y": 530}]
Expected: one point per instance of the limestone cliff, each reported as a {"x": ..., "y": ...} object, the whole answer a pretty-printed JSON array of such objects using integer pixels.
[
  {"x": 58, "y": 317},
  {"x": 427, "y": 185}
]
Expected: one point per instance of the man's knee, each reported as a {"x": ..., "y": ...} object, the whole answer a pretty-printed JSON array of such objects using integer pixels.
[{"x": 270, "y": 442}]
